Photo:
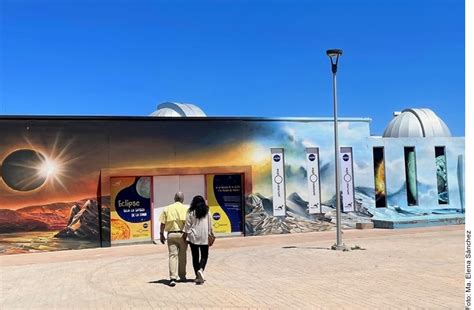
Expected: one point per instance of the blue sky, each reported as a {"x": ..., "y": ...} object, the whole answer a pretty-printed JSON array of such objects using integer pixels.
[{"x": 248, "y": 58}]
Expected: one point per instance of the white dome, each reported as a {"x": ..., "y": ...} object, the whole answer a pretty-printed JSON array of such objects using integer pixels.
[
  {"x": 416, "y": 123},
  {"x": 174, "y": 109}
]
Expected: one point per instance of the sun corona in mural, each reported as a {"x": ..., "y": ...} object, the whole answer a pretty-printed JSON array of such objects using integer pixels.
[{"x": 25, "y": 170}]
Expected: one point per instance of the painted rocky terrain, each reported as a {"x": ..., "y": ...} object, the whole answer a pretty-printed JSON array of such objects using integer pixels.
[
  {"x": 83, "y": 222},
  {"x": 258, "y": 218},
  {"x": 52, "y": 227},
  {"x": 260, "y": 221}
]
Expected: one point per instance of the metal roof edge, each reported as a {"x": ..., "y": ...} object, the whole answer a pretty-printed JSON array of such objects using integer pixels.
[{"x": 158, "y": 118}]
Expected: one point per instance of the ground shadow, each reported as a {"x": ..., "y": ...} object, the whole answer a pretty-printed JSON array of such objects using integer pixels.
[
  {"x": 167, "y": 281},
  {"x": 161, "y": 281},
  {"x": 305, "y": 247},
  {"x": 356, "y": 247}
]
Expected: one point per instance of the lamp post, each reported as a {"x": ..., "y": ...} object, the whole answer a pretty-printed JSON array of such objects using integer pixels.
[{"x": 334, "y": 57}]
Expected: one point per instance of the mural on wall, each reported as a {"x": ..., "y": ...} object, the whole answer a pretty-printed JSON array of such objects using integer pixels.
[
  {"x": 48, "y": 196},
  {"x": 426, "y": 178},
  {"x": 50, "y": 174},
  {"x": 30, "y": 227},
  {"x": 295, "y": 138}
]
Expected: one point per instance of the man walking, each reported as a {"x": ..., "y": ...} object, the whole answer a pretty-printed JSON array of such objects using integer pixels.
[{"x": 172, "y": 220}]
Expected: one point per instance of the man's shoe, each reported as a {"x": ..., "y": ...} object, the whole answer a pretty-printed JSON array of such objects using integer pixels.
[
  {"x": 184, "y": 279},
  {"x": 200, "y": 276},
  {"x": 172, "y": 283}
]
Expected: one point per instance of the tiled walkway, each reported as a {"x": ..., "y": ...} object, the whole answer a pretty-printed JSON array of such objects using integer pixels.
[{"x": 411, "y": 268}]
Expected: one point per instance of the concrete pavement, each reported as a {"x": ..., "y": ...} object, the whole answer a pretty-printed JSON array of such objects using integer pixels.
[{"x": 399, "y": 269}]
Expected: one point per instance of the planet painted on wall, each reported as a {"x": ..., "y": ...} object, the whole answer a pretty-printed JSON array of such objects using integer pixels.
[
  {"x": 380, "y": 179},
  {"x": 143, "y": 187},
  {"x": 411, "y": 178},
  {"x": 22, "y": 170},
  {"x": 442, "y": 179}
]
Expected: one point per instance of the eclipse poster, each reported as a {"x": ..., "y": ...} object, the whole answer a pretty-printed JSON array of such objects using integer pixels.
[{"x": 130, "y": 209}]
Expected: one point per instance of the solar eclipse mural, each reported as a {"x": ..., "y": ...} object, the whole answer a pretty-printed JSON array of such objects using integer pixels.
[{"x": 27, "y": 170}]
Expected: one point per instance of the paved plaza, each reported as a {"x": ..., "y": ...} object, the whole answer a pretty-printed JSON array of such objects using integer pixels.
[{"x": 395, "y": 269}]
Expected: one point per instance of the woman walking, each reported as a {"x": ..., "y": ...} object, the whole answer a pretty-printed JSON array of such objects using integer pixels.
[{"x": 198, "y": 232}]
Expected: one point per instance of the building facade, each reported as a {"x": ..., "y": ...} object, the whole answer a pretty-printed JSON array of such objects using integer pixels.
[{"x": 78, "y": 182}]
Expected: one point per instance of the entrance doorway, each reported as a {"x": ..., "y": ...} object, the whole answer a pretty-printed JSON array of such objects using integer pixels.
[
  {"x": 164, "y": 188},
  {"x": 223, "y": 192}
]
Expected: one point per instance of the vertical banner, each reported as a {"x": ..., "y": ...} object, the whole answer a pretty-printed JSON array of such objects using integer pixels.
[
  {"x": 347, "y": 179},
  {"x": 224, "y": 195},
  {"x": 278, "y": 182},
  {"x": 314, "y": 187},
  {"x": 130, "y": 209}
]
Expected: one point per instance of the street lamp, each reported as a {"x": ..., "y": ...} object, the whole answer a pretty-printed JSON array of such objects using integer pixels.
[{"x": 334, "y": 56}]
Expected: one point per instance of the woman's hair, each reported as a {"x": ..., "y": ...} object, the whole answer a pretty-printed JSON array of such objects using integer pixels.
[{"x": 198, "y": 205}]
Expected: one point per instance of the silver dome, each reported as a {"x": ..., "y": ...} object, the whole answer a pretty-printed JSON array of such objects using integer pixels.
[
  {"x": 416, "y": 123},
  {"x": 175, "y": 109}
]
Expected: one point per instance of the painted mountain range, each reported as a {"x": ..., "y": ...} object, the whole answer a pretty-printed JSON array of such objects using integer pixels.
[
  {"x": 48, "y": 217},
  {"x": 83, "y": 222},
  {"x": 259, "y": 219},
  {"x": 13, "y": 221}
]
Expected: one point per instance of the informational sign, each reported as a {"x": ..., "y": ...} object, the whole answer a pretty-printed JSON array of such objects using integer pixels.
[
  {"x": 314, "y": 187},
  {"x": 278, "y": 182},
  {"x": 347, "y": 179},
  {"x": 224, "y": 195},
  {"x": 130, "y": 209}
]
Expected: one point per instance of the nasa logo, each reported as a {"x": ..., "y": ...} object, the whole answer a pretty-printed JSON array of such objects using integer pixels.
[
  {"x": 311, "y": 157},
  {"x": 276, "y": 158},
  {"x": 145, "y": 225},
  {"x": 216, "y": 216},
  {"x": 345, "y": 157}
]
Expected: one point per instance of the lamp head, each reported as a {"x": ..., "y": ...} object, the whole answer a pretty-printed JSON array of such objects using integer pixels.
[
  {"x": 334, "y": 56},
  {"x": 334, "y": 52}
]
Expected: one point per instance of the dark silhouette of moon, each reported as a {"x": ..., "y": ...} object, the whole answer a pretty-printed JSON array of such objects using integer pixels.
[{"x": 19, "y": 170}]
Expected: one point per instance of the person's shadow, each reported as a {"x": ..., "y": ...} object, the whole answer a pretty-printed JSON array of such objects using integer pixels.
[{"x": 167, "y": 281}]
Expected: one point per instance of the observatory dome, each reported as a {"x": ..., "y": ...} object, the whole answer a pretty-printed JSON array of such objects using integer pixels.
[
  {"x": 175, "y": 109},
  {"x": 416, "y": 123}
]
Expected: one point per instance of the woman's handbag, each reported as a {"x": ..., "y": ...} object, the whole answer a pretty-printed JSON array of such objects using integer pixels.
[{"x": 211, "y": 238}]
